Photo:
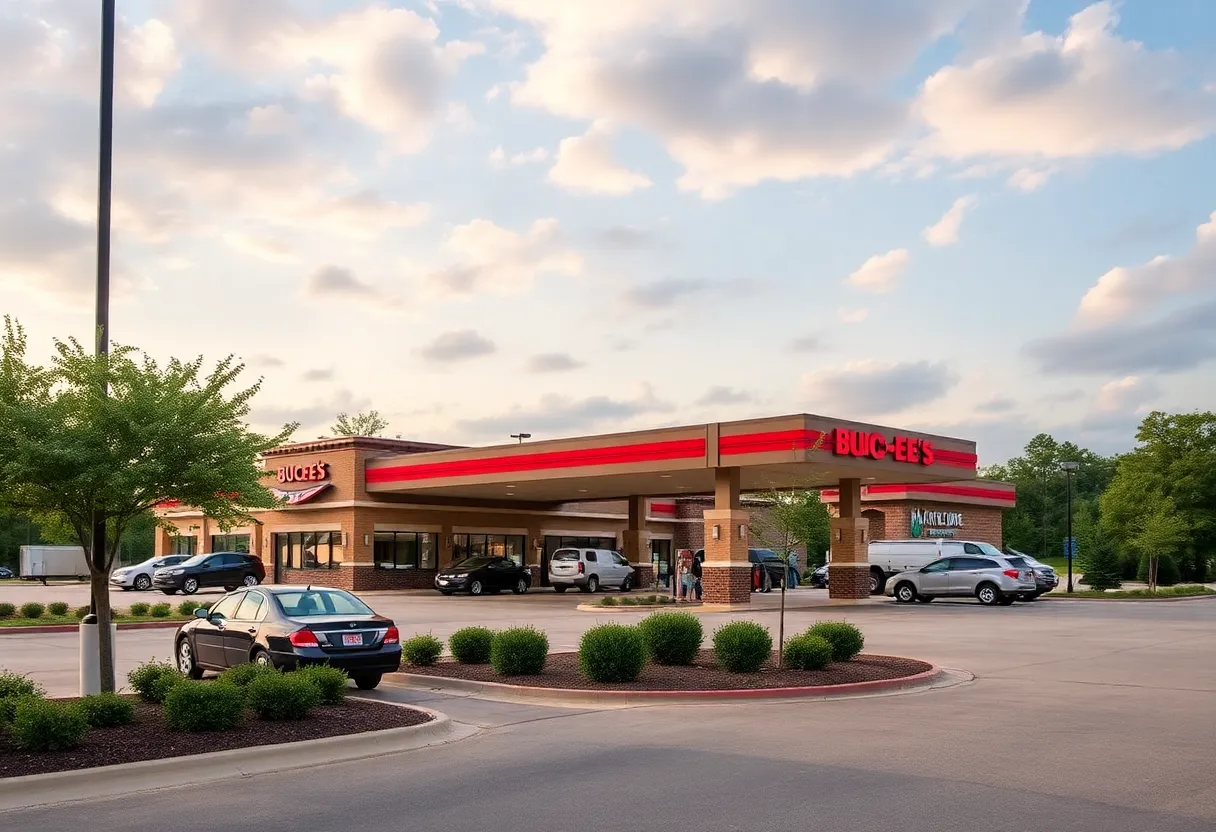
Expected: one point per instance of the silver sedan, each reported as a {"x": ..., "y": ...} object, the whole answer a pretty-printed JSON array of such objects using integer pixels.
[{"x": 991, "y": 580}]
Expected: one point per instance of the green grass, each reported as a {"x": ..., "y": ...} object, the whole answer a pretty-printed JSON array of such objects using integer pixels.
[
  {"x": 1182, "y": 591},
  {"x": 70, "y": 619}
]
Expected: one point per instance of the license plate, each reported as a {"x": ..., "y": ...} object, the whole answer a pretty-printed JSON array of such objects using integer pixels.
[{"x": 352, "y": 639}]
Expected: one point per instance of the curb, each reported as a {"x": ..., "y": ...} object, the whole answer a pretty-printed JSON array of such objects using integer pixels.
[
  {"x": 111, "y": 781},
  {"x": 635, "y": 607},
  {"x": 565, "y": 696},
  {"x": 72, "y": 628},
  {"x": 1126, "y": 600}
]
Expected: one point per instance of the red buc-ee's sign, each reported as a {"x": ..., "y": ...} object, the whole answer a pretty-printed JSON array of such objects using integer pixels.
[
  {"x": 863, "y": 445},
  {"x": 304, "y": 473}
]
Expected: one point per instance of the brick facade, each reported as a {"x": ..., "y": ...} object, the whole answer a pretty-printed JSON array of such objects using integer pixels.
[
  {"x": 893, "y": 520},
  {"x": 727, "y": 584}
]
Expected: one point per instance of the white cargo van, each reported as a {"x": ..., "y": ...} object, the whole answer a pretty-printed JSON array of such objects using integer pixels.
[
  {"x": 53, "y": 562},
  {"x": 890, "y": 557}
]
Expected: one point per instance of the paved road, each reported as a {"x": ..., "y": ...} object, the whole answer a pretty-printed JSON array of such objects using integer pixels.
[{"x": 1084, "y": 716}]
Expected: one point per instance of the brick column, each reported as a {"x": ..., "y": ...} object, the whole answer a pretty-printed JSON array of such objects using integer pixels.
[
  {"x": 637, "y": 543},
  {"x": 163, "y": 542},
  {"x": 726, "y": 574},
  {"x": 849, "y": 570}
]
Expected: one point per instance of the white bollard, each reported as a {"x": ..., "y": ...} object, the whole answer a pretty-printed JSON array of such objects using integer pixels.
[{"x": 90, "y": 657}]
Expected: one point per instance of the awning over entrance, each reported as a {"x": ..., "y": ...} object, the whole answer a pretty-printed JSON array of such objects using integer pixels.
[{"x": 799, "y": 451}]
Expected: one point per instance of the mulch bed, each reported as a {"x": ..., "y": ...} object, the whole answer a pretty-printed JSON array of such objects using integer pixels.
[
  {"x": 562, "y": 671},
  {"x": 147, "y": 738}
]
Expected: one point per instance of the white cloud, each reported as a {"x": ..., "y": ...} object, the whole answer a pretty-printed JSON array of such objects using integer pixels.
[
  {"x": 872, "y": 388},
  {"x": 1029, "y": 179},
  {"x": 853, "y": 316},
  {"x": 585, "y": 163},
  {"x": 500, "y": 160},
  {"x": 881, "y": 273},
  {"x": 336, "y": 283},
  {"x": 481, "y": 256},
  {"x": 1085, "y": 93},
  {"x": 1123, "y": 290},
  {"x": 1127, "y": 394},
  {"x": 367, "y": 214},
  {"x": 945, "y": 231}
]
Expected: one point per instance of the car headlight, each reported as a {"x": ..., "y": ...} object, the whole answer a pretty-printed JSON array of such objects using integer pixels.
[{"x": 174, "y": 571}]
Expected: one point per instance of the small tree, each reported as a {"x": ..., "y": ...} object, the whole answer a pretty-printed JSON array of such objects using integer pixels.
[
  {"x": 112, "y": 437},
  {"x": 1101, "y": 562},
  {"x": 361, "y": 424},
  {"x": 794, "y": 518},
  {"x": 1164, "y": 532}
]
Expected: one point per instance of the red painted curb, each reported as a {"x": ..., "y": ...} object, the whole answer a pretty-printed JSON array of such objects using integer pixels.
[{"x": 71, "y": 628}]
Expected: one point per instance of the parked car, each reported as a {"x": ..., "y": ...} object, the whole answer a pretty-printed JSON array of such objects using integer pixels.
[
  {"x": 819, "y": 578},
  {"x": 889, "y": 558},
  {"x": 992, "y": 580},
  {"x": 5, "y": 573},
  {"x": 589, "y": 569},
  {"x": 140, "y": 575},
  {"x": 288, "y": 627},
  {"x": 769, "y": 569},
  {"x": 478, "y": 576},
  {"x": 226, "y": 569},
  {"x": 1045, "y": 576}
]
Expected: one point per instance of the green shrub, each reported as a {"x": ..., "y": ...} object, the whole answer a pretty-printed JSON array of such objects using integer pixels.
[
  {"x": 240, "y": 675},
  {"x": 742, "y": 646},
  {"x": 57, "y": 608},
  {"x": 421, "y": 651},
  {"x": 613, "y": 601},
  {"x": 186, "y": 609},
  {"x": 32, "y": 609},
  {"x": 153, "y": 680},
  {"x": 612, "y": 653},
  {"x": 282, "y": 696},
  {"x": 1167, "y": 571},
  {"x": 161, "y": 611},
  {"x": 471, "y": 645},
  {"x": 139, "y": 609},
  {"x": 13, "y": 688},
  {"x": 329, "y": 682},
  {"x": 7, "y": 610},
  {"x": 846, "y": 640},
  {"x": 672, "y": 637},
  {"x": 105, "y": 710},
  {"x": 204, "y": 706},
  {"x": 519, "y": 651},
  {"x": 42, "y": 725},
  {"x": 808, "y": 652},
  {"x": 80, "y": 612}
]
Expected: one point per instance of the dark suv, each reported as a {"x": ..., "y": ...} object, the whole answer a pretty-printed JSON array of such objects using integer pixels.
[
  {"x": 768, "y": 569},
  {"x": 226, "y": 569}
]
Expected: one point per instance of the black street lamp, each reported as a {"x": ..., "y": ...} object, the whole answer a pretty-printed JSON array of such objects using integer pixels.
[{"x": 1069, "y": 468}]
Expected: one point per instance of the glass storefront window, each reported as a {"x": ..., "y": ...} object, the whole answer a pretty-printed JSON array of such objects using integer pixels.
[
  {"x": 309, "y": 550},
  {"x": 184, "y": 545},
  {"x": 230, "y": 543},
  {"x": 509, "y": 546},
  {"x": 405, "y": 550}
]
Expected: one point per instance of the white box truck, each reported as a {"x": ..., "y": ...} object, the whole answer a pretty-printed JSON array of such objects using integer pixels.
[{"x": 38, "y": 562}]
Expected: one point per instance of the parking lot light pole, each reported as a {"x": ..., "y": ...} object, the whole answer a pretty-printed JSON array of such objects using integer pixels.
[
  {"x": 521, "y": 437},
  {"x": 1069, "y": 468}
]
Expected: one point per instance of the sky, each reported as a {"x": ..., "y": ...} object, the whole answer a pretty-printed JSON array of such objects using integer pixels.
[{"x": 981, "y": 218}]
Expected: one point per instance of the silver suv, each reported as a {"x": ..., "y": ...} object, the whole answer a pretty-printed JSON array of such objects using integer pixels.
[{"x": 993, "y": 580}]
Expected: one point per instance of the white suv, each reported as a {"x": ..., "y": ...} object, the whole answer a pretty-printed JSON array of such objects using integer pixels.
[{"x": 589, "y": 569}]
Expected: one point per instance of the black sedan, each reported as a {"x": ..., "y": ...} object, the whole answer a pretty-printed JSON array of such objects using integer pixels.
[
  {"x": 478, "y": 576},
  {"x": 226, "y": 569},
  {"x": 288, "y": 627}
]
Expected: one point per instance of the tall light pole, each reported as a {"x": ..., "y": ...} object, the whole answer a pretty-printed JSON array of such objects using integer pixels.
[
  {"x": 1069, "y": 468},
  {"x": 521, "y": 437}
]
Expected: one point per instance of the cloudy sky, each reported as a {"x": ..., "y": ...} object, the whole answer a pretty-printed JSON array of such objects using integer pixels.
[{"x": 981, "y": 217}]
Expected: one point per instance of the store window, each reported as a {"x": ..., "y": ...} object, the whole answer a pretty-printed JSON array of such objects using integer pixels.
[
  {"x": 309, "y": 550},
  {"x": 184, "y": 545},
  {"x": 230, "y": 543},
  {"x": 405, "y": 550},
  {"x": 509, "y": 546}
]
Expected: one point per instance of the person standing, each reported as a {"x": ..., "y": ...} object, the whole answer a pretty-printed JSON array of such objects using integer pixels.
[
  {"x": 696, "y": 576},
  {"x": 687, "y": 581},
  {"x": 793, "y": 577}
]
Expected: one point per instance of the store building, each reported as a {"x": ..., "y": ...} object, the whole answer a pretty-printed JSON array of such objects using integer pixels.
[
  {"x": 363, "y": 513},
  {"x": 966, "y": 510}
]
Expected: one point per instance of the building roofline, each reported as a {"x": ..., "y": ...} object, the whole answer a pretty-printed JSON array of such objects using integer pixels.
[{"x": 361, "y": 443}]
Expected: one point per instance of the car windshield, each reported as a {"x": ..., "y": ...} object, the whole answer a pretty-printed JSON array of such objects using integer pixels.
[
  {"x": 1016, "y": 561},
  {"x": 194, "y": 561},
  {"x": 990, "y": 550},
  {"x": 565, "y": 554},
  {"x": 473, "y": 563},
  {"x": 303, "y": 603}
]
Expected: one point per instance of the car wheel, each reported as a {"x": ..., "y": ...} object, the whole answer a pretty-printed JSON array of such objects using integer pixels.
[
  {"x": 169, "y": 591},
  {"x": 250, "y": 580},
  {"x": 521, "y": 586},
  {"x": 185, "y": 660},
  {"x": 878, "y": 582},
  {"x": 263, "y": 659},
  {"x": 1007, "y": 600},
  {"x": 190, "y": 586},
  {"x": 229, "y": 587},
  {"x": 988, "y": 594},
  {"x": 627, "y": 584},
  {"x": 905, "y": 593},
  {"x": 143, "y": 583},
  {"x": 593, "y": 584},
  {"x": 368, "y": 681},
  {"x": 476, "y": 588},
  {"x": 924, "y": 599},
  {"x": 560, "y": 588}
]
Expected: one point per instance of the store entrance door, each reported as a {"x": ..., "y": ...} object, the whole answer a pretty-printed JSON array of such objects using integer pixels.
[{"x": 660, "y": 562}]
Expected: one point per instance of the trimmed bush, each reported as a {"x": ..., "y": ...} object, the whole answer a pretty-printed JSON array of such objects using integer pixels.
[
  {"x": 846, "y": 639},
  {"x": 241, "y": 675},
  {"x": 32, "y": 609},
  {"x": 80, "y": 612},
  {"x": 139, "y": 609},
  {"x": 186, "y": 608},
  {"x": 57, "y": 608},
  {"x": 471, "y": 645},
  {"x": 160, "y": 611},
  {"x": 105, "y": 710},
  {"x": 7, "y": 610},
  {"x": 672, "y": 637},
  {"x": 153, "y": 680},
  {"x": 612, "y": 653},
  {"x": 742, "y": 646},
  {"x": 13, "y": 688},
  {"x": 204, "y": 706},
  {"x": 329, "y": 682},
  {"x": 808, "y": 652},
  {"x": 613, "y": 601},
  {"x": 421, "y": 651},
  {"x": 282, "y": 696},
  {"x": 1167, "y": 571},
  {"x": 41, "y": 725},
  {"x": 519, "y": 651}
]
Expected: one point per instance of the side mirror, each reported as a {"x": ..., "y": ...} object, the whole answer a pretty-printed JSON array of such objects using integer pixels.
[{"x": 202, "y": 612}]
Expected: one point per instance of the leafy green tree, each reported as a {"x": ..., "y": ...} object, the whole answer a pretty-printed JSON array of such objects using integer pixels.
[
  {"x": 1163, "y": 531},
  {"x": 792, "y": 519},
  {"x": 361, "y": 424},
  {"x": 113, "y": 436},
  {"x": 1103, "y": 567},
  {"x": 1169, "y": 480}
]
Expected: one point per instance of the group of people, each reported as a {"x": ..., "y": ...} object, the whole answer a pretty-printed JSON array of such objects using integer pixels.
[{"x": 688, "y": 584}]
